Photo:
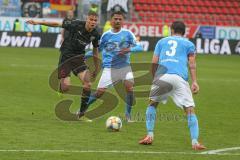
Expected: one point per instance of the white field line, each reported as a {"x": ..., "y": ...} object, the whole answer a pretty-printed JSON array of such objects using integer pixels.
[
  {"x": 125, "y": 152},
  {"x": 217, "y": 151}
]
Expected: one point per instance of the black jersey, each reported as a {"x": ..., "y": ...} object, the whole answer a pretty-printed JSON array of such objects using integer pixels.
[{"x": 78, "y": 37}]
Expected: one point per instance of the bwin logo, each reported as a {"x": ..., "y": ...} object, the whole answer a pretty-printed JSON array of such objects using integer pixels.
[{"x": 19, "y": 41}]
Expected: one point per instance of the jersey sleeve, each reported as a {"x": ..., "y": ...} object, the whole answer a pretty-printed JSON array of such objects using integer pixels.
[
  {"x": 70, "y": 24},
  {"x": 191, "y": 48},
  {"x": 133, "y": 39},
  {"x": 158, "y": 48},
  {"x": 102, "y": 42}
]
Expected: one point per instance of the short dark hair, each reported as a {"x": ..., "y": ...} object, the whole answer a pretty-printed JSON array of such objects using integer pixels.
[
  {"x": 178, "y": 27},
  {"x": 117, "y": 12},
  {"x": 92, "y": 13}
]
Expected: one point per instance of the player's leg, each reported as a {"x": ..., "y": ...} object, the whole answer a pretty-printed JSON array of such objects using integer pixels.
[
  {"x": 80, "y": 70},
  {"x": 96, "y": 95},
  {"x": 193, "y": 127},
  {"x": 126, "y": 75},
  {"x": 104, "y": 82},
  {"x": 160, "y": 90},
  {"x": 182, "y": 97},
  {"x": 150, "y": 123},
  {"x": 85, "y": 78},
  {"x": 129, "y": 99},
  {"x": 64, "y": 71},
  {"x": 64, "y": 84}
]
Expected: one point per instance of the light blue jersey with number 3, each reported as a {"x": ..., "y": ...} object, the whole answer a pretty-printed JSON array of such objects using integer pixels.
[{"x": 173, "y": 54}]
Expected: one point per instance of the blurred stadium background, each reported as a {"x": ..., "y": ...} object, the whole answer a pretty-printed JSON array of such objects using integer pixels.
[
  {"x": 29, "y": 127},
  {"x": 215, "y": 22}
]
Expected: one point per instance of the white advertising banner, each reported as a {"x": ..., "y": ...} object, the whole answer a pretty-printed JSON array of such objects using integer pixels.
[
  {"x": 7, "y": 23},
  {"x": 231, "y": 33}
]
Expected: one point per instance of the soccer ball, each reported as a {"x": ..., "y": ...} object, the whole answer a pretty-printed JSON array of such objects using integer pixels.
[{"x": 113, "y": 123}]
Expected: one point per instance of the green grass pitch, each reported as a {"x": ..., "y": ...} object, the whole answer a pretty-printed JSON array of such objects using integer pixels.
[{"x": 29, "y": 128}]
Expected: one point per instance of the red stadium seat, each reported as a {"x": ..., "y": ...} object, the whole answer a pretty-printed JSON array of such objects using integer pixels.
[
  {"x": 213, "y": 3},
  {"x": 168, "y": 8},
  {"x": 224, "y": 10},
  {"x": 138, "y": 7},
  {"x": 185, "y": 2},
  {"x": 157, "y": 2},
  {"x": 153, "y": 7},
  {"x": 164, "y": 2},
  {"x": 175, "y": 9},
  {"x": 150, "y": 1},
  {"x": 236, "y": 4},
  {"x": 218, "y": 10},
  {"x": 200, "y": 3},
  {"x": 182, "y": 9},
  {"x": 160, "y": 8},
  {"x": 135, "y": 1},
  {"x": 228, "y": 4},
  {"x": 206, "y": 12},
  {"x": 232, "y": 11},
  {"x": 145, "y": 7},
  {"x": 189, "y": 9},
  {"x": 207, "y": 3},
  {"x": 141, "y": 14},
  {"x": 178, "y": 2},
  {"x": 192, "y": 3},
  {"x": 238, "y": 11},
  {"x": 211, "y": 10}
]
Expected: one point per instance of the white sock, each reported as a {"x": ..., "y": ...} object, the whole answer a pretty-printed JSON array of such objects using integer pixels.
[
  {"x": 150, "y": 134},
  {"x": 194, "y": 142}
]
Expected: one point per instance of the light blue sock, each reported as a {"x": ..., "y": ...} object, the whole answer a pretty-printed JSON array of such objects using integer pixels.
[
  {"x": 150, "y": 119},
  {"x": 92, "y": 99},
  {"x": 193, "y": 126},
  {"x": 129, "y": 103}
]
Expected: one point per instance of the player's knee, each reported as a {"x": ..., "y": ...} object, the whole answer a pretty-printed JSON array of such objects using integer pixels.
[
  {"x": 100, "y": 92},
  {"x": 87, "y": 85},
  {"x": 189, "y": 110},
  {"x": 129, "y": 89},
  {"x": 64, "y": 87},
  {"x": 153, "y": 103}
]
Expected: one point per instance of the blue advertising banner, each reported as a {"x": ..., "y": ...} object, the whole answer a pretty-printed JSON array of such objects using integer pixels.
[{"x": 207, "y": 31}]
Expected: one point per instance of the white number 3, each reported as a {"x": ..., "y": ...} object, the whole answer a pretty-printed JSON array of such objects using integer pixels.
[{"x": 173, "y": 48}]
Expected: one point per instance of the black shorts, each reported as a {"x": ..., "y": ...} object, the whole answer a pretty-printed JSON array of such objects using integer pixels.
[{"x": 66, "y": 64}]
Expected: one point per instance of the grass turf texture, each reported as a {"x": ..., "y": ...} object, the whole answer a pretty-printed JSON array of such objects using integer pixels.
[{"x": 28, "y": 120}]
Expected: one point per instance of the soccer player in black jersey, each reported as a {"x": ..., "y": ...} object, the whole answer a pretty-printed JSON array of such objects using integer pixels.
[{"x": 81, "y": 33}]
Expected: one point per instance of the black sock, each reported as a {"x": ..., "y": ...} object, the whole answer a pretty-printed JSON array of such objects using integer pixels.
[{"x": 84, "y": 100}]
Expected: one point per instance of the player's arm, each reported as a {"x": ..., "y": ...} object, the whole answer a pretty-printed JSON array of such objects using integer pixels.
[
  {"x": 50, "y": 24},
  {"x": 96, "y": 55},
  {"x": 192, "y": 69},
  {"x": 155, "y": 58},
  {"x": 96, "y": 59},
  {"x": 154, "y": 67},
  {"x": 134, "y": 47},
  {"x": 62, "y": 35}
]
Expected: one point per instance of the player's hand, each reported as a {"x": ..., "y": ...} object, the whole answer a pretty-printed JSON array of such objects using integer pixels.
[
  {"x": 32, "y": 22},
  {"x": 195, "y": 87},
  {"x": 124, "y": 51}
]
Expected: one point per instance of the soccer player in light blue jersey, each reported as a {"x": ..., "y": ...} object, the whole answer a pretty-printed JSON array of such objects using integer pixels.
[
  {"x": 116, "y": 46},
  {"x": 172, "y": 57}
]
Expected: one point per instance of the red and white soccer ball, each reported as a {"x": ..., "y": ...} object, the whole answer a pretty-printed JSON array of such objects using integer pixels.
[{"x": 113, "y": 123}]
